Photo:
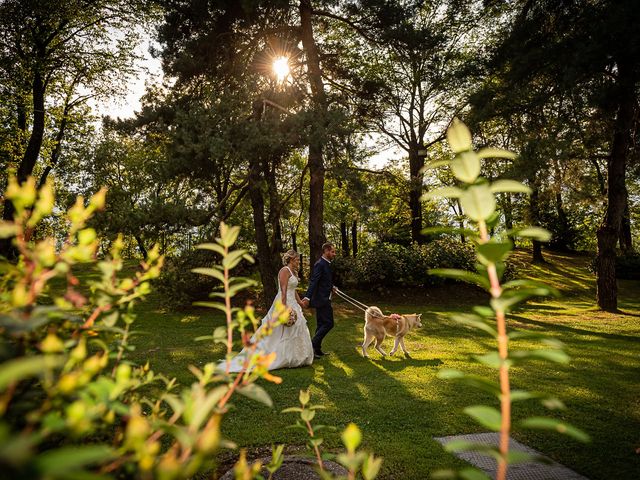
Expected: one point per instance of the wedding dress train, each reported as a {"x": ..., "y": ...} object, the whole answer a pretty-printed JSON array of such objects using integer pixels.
[{"x": 292, "y": 345}]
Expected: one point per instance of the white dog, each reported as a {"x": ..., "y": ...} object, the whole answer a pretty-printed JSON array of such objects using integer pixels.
[{"x": 377, "y": 326}]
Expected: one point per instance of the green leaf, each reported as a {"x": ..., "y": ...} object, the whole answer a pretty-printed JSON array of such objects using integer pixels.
[
  {"x": 8, "y": 229},
  {"x": 474, "y": 321},
  {"x": 510, "y": 298},
  {"x": 204, "y": 407},
  {"x": 519, "y": 395},
  {"x": 546, "y": 423},
  {"x": 450, "y": 374},
  {"x": 551, "y": 291},
  {"x": 442, "y": 192},
  {"x": 292, "y": 410},
  {"x": 67, "y": 459},
  {"x": 462, "y": 275},
  {"x": 214, "y": 247},
  {"x": 218, "y": 305},
  {"x": 488, "y": 417},
  {"x": 553, "y": 403},
  {"x": 220, "y": 335},
  {"x": 307, "y": 415},
  {"x": 351, "y": 437},
  {"x": 459, "y": 136},
  {"x": 232, "y": 259},
  {"x": 494, "y": 252},
  {"x": 512, "y": 186},
  {"x": 315, "y": 442},
  {"x": 557, "y": 356},
  {"x": 478, "y": 202},
  {"x": 496, "y": 153},
  {"x": 514, "y": 457},
  {"x": 473, "y": 474},
  {"x": 371, "y": 467},
  {"x": 486, "y": 312},
  {"x": 210, "y": 272},
  {"x": 25, "y": 367},
  {"x": 491, "y": 359},
  {"x": 228, "y": 235},
  {"x": 435, "y": 164},
  {"x": 110, "y": 319},
  {"x": 535, "y": 233},
  {"x": 257, "y": 393},
  {"x": 304, "y": 397},
  {"x": 466, "y": 167}
]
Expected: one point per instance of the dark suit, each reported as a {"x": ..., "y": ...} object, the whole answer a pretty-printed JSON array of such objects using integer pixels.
[{"x": 319, "y": 295}]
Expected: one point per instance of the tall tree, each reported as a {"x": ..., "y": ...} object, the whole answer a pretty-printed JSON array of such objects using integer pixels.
[
  {"x": 589, "y": 51},
  {"x": 404, "y": 71},
  {"x": 53, "y": 45}
]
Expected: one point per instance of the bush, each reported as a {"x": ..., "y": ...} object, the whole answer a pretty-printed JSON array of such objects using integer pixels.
[
  {"x": 180, "y": 287},
  {"x": 628, "y": 266},
  {"x": 388, "y": 264}
]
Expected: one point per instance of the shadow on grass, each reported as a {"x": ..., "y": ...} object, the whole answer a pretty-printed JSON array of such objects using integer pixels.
[
  {"x": 577, "y": 331},
  {"x": 386, "y": 363}
]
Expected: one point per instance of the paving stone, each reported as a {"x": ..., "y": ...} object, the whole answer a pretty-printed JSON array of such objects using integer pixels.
[{"x": 549, "y": 470}]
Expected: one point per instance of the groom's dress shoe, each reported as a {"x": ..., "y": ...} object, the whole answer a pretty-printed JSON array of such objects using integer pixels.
[{"x": 317, "y": 356}]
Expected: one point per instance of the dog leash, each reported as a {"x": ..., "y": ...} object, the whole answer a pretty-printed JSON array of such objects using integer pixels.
[
  {"x": 357, "y": 303},
  {"x": 352, "y": 301}
]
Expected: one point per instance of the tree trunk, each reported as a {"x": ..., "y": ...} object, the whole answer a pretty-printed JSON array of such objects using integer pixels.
[
  {"x": 29, "y": 159},
  {"x": 609, "y": 231},
  {"x": 626, "y": 240},
  {"x": 416, "y": 163},
  {"x": 141, "y": 247},
  {"x": 507, "y": 208},
  {"x": 274, "y": 212},
  {"x": 268, "y": 274},
  {"x": 316, "y": 144},
  {"x": 344, "y": 239},
  {"x": 57, "y": 148},
  {"x": 354, "y": 237},
  {"x": 534, "y": 213},
  {"x": 565, "y": 240}
]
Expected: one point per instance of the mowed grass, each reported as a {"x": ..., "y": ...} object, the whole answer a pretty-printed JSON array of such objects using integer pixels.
[{"x": 400, "y": 404}]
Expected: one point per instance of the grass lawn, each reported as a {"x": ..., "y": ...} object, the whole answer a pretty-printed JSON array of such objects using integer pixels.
[{"x": 400, "y": 404}]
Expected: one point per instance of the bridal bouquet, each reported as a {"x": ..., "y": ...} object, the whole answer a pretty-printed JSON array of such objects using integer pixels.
[{"x": 292, "y": 319}]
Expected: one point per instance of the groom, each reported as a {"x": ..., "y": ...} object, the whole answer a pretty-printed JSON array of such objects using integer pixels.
[{"x": 318, "y": 296}]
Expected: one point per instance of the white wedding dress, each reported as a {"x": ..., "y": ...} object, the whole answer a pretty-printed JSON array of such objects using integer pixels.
[{"x": 292, "y": 344}]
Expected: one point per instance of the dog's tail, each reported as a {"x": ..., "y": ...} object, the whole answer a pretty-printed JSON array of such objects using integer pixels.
[{"x": 372, "y": 312}]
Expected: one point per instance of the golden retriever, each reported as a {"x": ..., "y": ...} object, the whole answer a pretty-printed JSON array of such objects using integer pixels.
[{"x": 377, "y": 326}]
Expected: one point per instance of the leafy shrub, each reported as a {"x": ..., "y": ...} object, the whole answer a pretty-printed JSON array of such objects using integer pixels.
[
  {"x": 388, "y": 264},
  {"x": 628, "y": 266},
  {"x": 180, "y": 287},
  {"x": 477, "y": 197},
  {"x": 71, "y": 404}
]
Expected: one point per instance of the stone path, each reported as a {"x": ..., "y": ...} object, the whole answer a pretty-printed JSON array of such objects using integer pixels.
[{"x": 521, "y": 471}]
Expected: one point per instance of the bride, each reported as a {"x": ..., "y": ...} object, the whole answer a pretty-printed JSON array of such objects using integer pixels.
[{"x": 292, "y": 344}]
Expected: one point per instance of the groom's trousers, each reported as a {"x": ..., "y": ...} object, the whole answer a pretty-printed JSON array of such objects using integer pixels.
[{"x": 324, "y": 323}]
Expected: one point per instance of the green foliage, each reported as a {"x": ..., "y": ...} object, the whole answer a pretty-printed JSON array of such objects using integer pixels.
[
  {"x": 628, "y": 266},
  {"x": 180, "y": 286},
  {"x": 389, "y": 264},
  {"x": 353, "y": 460},
  {"x": 477, "y": 198},
  {"x": 71, "y": 404}
]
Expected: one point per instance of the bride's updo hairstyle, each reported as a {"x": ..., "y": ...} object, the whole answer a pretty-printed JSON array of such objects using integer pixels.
[{"x": 288, "y": 256}]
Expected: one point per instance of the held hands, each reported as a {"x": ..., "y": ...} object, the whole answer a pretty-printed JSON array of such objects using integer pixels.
[{"x": 304, "y": 303}]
